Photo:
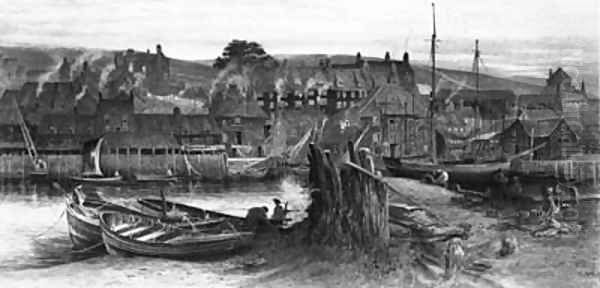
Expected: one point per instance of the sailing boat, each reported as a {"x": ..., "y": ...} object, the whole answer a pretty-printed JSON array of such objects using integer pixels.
[
  {"x": 95, "y": 175},
  {"x": 461, "y": 172}
]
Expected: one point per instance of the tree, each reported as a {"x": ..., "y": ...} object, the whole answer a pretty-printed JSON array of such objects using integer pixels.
[{"x": 244, "y": 53}]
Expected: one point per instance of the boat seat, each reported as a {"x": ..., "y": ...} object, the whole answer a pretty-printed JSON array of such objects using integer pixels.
[
  {"x": 134, "y": 230},
  {"x": 152, "y": 236}
]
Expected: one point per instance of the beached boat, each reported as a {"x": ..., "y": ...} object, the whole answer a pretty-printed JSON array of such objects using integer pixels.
[
  {"x": 82, "y": 219},
  {"x": 83, "y": 215},
  {"x": 97, "y": 179},
  {"x": 132, "y": 233},
  {"x": 460, "y": 172}
]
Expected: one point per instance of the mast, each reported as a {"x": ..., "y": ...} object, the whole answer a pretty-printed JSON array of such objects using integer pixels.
[
  {"x": 431, "y": 99},
  {"x": 476, "y": 70}
]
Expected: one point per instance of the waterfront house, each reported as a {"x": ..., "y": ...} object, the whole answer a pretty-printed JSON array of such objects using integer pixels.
[
  {"x": 560, "y": 138},
  {"x": 245, "y": 125}
]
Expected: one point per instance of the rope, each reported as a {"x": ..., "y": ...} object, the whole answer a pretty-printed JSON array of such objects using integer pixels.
[{"x": 51, "y": 226}]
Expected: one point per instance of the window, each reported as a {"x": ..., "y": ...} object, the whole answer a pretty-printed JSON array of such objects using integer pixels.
[
  {"x": 238, "y": 137},
  {"x": 146, "y": 151},
  {"x": 237, "y": 120},
  {"x": 133, "y": 150},
  {"x": 123, "y": 151},
  {"x": 392, "y": 121}
]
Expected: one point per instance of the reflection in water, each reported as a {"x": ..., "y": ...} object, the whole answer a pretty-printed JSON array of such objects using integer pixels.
[{"x": 35, "y": 229}]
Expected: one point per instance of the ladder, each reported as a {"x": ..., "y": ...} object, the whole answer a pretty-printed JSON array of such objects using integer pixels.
[{"x": 29, "y": 145}]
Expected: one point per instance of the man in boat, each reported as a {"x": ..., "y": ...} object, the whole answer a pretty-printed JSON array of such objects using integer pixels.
[
  {"x": 440, "y": 177},
  {"x": 279, "y": 212},
  {"x": 257, "y": 216}
]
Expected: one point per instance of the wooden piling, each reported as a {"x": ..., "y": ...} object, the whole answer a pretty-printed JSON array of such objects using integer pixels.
[{"x": 351, "y": 208}]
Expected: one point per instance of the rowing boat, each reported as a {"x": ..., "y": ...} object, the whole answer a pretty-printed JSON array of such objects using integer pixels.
[
  {"x": 133, "y": 233},
  {"x": 103, "y": 180},
  {"x": 83, "y": 215}
]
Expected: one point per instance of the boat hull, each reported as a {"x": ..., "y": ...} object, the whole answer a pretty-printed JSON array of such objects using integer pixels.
[
  {"x": 463, "y": 174},
  {"x": 104, "y": 180},
  {"x": 203, "y": 246},
  {"x": 84, "y": 230}
]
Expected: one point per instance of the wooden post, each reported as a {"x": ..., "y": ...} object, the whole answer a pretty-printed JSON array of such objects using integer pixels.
[{"x": 350, "y": 205}]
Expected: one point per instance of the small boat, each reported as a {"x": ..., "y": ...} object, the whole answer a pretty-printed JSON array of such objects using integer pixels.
[
  {"x": 132, "y": 233},
  {"x": 83, "y": 220},
  {"x": 97, "y": 179}
]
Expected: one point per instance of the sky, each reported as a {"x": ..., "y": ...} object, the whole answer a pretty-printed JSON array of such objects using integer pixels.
[{"x": 200, "y": 29}]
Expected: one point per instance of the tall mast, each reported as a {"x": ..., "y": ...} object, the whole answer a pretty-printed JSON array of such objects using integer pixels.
[
  {"x": 476, "y": 70},
  {"x": 432, "y": 97}
]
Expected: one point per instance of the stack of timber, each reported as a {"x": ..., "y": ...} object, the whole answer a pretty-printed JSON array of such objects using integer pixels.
[{"x": 424, "y": 225}]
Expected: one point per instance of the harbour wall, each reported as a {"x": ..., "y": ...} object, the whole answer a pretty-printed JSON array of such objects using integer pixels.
[
  {"x": 210, "y": 166},
  {"x": 19, "y": 165}
]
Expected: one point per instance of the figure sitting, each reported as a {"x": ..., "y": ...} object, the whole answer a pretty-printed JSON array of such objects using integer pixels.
[
  {"x": 438, "y": 177},
  {"x": 279, "y": 212},
  {"x": 257, "y": 216}
]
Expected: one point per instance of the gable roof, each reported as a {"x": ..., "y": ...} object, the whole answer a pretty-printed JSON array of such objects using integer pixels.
[
  {"x": 390, "y": 99},
  {"x": 542, "y": 128}
]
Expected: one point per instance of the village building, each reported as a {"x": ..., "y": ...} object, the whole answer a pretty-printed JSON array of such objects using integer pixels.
[
  {"x": 559, "y": 138},
  {"x": 401, "y": 116},
  {"x": 131, "y": 67},
  {"x": 333, "y": 87},
  {"x": 245, "y": 126}
]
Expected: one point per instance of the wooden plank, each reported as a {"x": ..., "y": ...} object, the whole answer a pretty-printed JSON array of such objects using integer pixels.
[
  {"x": 135, "y": 230},
  {"x": 151, "y": 236},
  {"x": 122, "y": 227}
]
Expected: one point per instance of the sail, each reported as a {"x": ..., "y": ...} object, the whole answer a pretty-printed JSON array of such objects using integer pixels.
[
  {"x": 94, "y": 157},
  {"x": 297, "y": 153}
]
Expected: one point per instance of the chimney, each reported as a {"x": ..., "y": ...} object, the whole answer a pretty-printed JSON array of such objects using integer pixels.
[
  {"x": 358, "y": 58},
  {"x": 159, "y": 50},
  {"x": 582, "y": 86},
  {"x": 387, "y": 56},
  {"x": 405, "y": 58}
]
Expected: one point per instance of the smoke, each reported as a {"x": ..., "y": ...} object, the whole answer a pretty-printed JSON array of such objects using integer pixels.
[
  {"x": 241, "y": 82},
  {"x": 81, "y": 94},
  {"x": 89, "y": 55},
  {"x": 104, "y": 75},
  {"x": 48, "y": 75},
  {"x": 279, "y": 88},
  {"x": 220, "y": 79}
]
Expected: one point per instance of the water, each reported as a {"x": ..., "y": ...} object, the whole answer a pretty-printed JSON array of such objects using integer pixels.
[{"x": 34, "y": 228}]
